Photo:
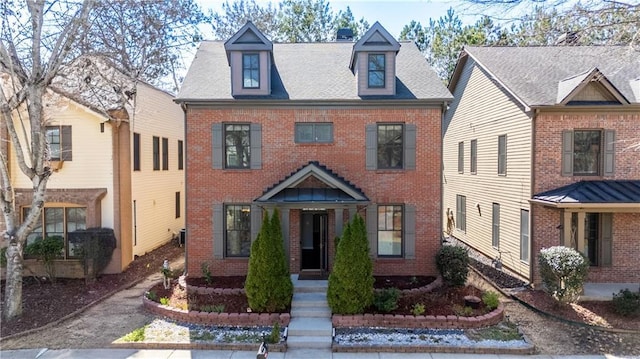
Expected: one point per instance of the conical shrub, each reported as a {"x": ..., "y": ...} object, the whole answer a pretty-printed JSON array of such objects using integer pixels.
[
  {"x": 268, "y": 285},
  {"x": 351, "y": 281}
]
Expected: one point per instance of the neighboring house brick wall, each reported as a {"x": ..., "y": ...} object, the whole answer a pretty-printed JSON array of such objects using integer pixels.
[
  {"x": 482, "y": 111},
  {"x": 345, "y": 156},
  {"x": 548, "y": 153}
]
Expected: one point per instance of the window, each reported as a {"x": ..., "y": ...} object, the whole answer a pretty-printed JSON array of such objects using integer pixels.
[
  {"x": 524, "y": 235},
  {"x": 502, "y": 155},
  {"x": 238, "y": 230},
  {"x": 495, "y": 228},
  {"x": 376, "y": 70},
  {"x": 180, "y": 155},
  {"x": 461, "y": 212},
  {"x": 156, "y": 153},
  {"x": 460, "y": 157},
  {"x": 178, "y": 205},
  {"x": 314, "y": 132},
  {"x": 390, "y": 231},
  {"x": 237, "y": 146},
  {"x": 59, "y": 140},
  {"x": 250, "y": 70},
  {"x": 390, "y": 146},
  {"x": 58, "y": 221},
  {"x": 165, "y": 154},
  {"x": 136, "y": 152},
  {"x": 474, "y": 156},
  {"x": 586, "y": 152}
]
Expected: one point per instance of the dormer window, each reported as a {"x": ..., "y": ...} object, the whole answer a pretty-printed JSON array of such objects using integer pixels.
[
  {"x": 376, "y": 70},
  {"x": 251, "y": 71}
]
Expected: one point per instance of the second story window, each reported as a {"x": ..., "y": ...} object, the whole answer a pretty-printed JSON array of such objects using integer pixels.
[
  {"x": 390, "y": 146},
  {"x": 165, "y": 154},
  {"x": 474, "y": 156},
  {"x": 314, "y": 132},
  {"x": 586, "y": 152},
  {"x": 250, "y": 70},
  {"x": 180, "y": 155},
  {"x": 136, "y": 152},
  {"x": 59, "y": 140},
  {"x": 376, "y": 66},
  {"x": 156, "y": 153},
  {"x": 460, "y": 157},
  {"x": 237, "y": 146},
  {"x": 502, "y": 155}
]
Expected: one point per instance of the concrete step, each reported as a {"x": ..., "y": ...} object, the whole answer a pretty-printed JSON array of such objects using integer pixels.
[
  {"x": 310, "y": 286},
  {"x": 314, "y": 342},
  {"x": 309, "y": 300},
  {"x": 310, "y": 312},
  {"x": 310, "y": 327}
]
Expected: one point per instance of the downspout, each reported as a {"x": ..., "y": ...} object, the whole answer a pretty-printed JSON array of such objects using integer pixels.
[
  {"x": 534, "y": 116},
  {"x": 186, "y": 193},
  {"x": 440, "y": 222}
]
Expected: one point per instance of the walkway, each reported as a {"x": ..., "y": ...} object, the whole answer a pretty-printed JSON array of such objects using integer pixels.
[{"x": 290, "y": 354}]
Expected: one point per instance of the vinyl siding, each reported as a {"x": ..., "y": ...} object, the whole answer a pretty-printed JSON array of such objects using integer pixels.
[
  {"x": 154, "y": 191},
  {"x": 481, "y": 111},
  {"x": 91, "y": 166}
]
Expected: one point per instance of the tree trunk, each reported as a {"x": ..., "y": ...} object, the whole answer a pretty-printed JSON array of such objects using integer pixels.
[{"x": 13, "y": 287}]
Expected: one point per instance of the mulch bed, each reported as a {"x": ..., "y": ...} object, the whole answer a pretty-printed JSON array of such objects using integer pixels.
[
  {"x": 45, "y": 302},
  {"x": 599, "y": 313}
]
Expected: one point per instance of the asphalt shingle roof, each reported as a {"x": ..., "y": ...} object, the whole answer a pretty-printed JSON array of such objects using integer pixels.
[
  {"x": 611, "y": 191},
  {"x": 534, "y": 73},
  {"x": 309, "y": 71}
]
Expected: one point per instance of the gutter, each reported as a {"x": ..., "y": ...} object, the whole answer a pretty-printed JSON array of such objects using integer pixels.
[{"x": 268, "y": 102}]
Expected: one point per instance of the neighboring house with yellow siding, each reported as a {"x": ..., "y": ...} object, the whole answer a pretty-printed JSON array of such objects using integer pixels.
[{"x": 117, "y": 162}]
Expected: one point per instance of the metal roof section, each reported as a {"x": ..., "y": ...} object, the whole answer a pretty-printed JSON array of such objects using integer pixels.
[
  {"x": 609, "y": 193},
  {"x": 338, "y": 189}
]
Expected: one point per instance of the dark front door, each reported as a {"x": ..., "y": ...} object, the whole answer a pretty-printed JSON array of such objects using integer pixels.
[{"x": 313, "y": 240}]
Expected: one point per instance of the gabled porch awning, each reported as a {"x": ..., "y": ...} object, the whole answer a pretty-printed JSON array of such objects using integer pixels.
[
  {"x": 313, "y": 183},
  {"x": 611, "y": 194}
]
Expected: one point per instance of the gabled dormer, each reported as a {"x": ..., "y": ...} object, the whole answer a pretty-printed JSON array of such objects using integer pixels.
[
  {"x": 373, "y": 61},
  {"x": 589, "y": 88},
  {"x": 249, "y": 54}
]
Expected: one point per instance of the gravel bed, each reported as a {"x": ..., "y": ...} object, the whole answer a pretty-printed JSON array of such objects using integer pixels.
[{"x": 417, "y": 337}]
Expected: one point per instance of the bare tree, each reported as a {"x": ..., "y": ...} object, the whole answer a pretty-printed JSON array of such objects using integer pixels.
[{"x": 31, "y": 54}]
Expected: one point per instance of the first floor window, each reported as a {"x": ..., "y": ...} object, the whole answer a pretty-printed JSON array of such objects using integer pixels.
[
  {"x": 237, "y": 145},
  {"x": 524, "y": 235},
  {"x": 390, "y": 231},
  {"x": 58, "y": 223},
  {"x": 238, "y": 230},
  {"x": 461, "y": 212},
  {"x": 495, "y": 232},
  {"x": 178, "y": 211},
  {"x": 390, "y": 146}
]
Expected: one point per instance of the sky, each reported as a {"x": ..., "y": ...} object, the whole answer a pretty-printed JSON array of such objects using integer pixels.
[{"x": 392, "y": 15}]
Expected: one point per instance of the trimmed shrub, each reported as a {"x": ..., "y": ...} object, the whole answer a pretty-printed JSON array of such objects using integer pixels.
[
  {"x": 351, "y": 280},
  {"x": 563, "y": 271},
  {"x": 491, "y": 299},
  {"x": 627, "y": 303},
  {"x": 95, "y": 247},
  {"x": 268, "y": 284},
  {"x": 386, "y": 300},
  {"x": 453, "y": 264},
  {"x": 47, "y": 250}
]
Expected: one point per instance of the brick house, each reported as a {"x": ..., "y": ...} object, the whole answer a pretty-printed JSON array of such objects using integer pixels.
[
  {"x": 115, "y": 164},
  {"x": 320, "y": 131},
  {"x": 536, "y": 153}
]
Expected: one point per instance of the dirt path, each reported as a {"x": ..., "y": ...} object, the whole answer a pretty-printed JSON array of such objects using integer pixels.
[
  {"x": 118, "y": 315},
  {"x": 98, "y": 326}
]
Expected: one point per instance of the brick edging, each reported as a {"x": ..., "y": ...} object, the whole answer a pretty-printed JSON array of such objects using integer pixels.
[
  {"x": 526, "y": 350},
  {"x": 419, "y": 321},
  {"x": 280, "y": 347},
  {"x": 231, "y": 319}
]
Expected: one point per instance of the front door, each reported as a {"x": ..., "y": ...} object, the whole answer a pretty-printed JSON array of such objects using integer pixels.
[{"x": 313, "y": 240}]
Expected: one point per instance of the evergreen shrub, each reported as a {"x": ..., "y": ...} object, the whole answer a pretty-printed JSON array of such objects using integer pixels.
[
  {"x": 563, "y": 271},
  {"x": 453, "y": 265}
]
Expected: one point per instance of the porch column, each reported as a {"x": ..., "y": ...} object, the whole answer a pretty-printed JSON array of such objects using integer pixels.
[
  {"x": 339, "y": 214},
  {"x": 566, "y": 229},
  {"x": 580, "y": 235},
  {"x": 285, "y": 231}
]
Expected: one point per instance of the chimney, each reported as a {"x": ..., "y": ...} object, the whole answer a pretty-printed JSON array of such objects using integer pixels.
[
  {"x": 345, "y": 34},
  {"x": 568, "y": 38}
]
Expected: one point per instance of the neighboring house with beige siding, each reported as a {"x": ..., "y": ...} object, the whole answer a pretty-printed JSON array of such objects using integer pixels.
[
  {"x": 102, "y": 157},
  {"x": 535, "y": 155}
]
